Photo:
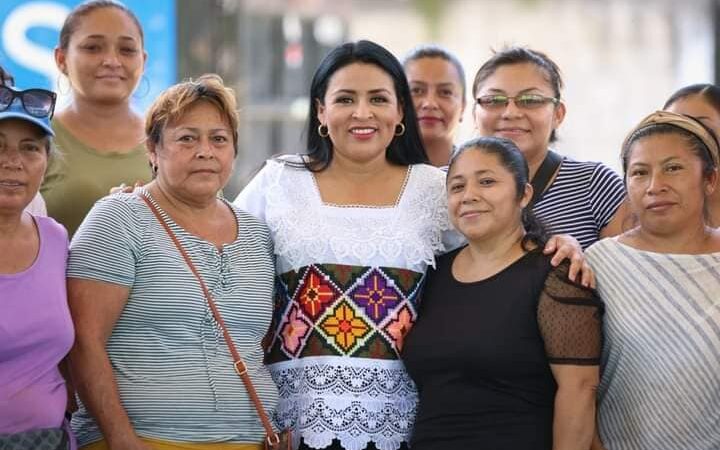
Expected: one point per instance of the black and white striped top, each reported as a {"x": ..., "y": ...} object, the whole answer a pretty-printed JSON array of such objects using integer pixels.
[
  {"x": 581, "y": 201},
  {"x": 173, "y": 369},
  {"x": 660, "y": 387}
]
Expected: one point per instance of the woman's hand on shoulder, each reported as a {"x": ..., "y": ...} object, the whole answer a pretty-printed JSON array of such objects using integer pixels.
[
  {"x": 126, "y": 189},
  {"x": 564, "y": 246}
]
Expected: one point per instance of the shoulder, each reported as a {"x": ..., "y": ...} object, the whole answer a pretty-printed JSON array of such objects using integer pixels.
[
  {"x": 428, "y": 179},
  {"x": 250, "y": 223},
  {"x": 50, "y": 227},
  {"x": 559, "y": 286},
  {"x": 116, "y": 212}
]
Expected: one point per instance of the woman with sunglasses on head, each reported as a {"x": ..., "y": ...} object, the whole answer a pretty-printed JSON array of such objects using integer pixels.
[
  {"x": 701, "y": 101},
  {"x": 517, "y": 96},
  {"x": 37, "y": 206},
  {"x": 437, "y": 85},
  {"x": 506, "y": 348},
  {"x": 101, "y": 55},
  {"x": 36, "y": 331},
  {"x": 660, "y": 283}
]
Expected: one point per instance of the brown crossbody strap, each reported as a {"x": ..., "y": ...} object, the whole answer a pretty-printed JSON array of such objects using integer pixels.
[{"x": 238, "y": 363}]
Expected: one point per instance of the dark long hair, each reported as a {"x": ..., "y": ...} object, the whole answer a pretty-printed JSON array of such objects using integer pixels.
[
  {"x": 403, "y": 150},
  {"x": 513, "y": 160},
  {"x": 709, "y": 92}
]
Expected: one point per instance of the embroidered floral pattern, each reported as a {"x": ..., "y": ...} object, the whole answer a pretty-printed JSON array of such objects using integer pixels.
[
  {"x": 400, "y": 325},
  {"x": 344, "y": 327},
  {"x": 294, "y": 330},
  {"x": 377, "y": 296},
  {"x": 368, "y": 318}
]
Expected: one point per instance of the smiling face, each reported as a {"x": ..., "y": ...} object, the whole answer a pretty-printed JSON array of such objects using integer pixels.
[
  {"x": 23, "y": 160},
  {"x": 437, "y": 94},
  {"x": 529, "y": 129},
  {"x": 665, "y": 184},
  {"x": 196, "y": 154},
  {"x": 483, "y": 200},
  {"x": 361, "y": 111},
  {"x": 105, "y": 58},
  {"x": 698, "y": 107}
]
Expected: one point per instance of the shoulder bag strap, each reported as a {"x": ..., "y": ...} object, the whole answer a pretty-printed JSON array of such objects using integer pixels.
[
  {"x": 541, "y": 180},
  {"x": 238, "y": 362}
]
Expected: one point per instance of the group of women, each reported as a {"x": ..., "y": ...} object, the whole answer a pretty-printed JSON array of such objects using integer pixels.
[{"x": 375, "y": 301}]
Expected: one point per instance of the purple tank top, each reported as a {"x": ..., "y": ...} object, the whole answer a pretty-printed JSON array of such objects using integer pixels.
[{"x": 36, "y": 332}]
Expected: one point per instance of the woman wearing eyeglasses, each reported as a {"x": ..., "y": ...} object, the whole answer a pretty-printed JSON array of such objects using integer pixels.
[
  {"x": 36, "y": 331},
  {"x": 517, "y": 94},
  {"x": 101, "y": 55}
]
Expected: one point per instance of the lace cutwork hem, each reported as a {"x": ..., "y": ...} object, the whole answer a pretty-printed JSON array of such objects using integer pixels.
[{"x": 355, "y": 401}]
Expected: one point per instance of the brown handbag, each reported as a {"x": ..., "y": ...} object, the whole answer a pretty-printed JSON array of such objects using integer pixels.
[{"x": 273, "y": 440}]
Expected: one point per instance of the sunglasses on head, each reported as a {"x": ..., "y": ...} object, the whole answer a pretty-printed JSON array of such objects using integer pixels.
[
  {"x": 524, "y": 101},
  {"x": 36, "y": 102}
]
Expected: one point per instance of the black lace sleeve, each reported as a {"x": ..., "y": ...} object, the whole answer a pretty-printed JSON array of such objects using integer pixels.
[{"x": 570, "y": 320}]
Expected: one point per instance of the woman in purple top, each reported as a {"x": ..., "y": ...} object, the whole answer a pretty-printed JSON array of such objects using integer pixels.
[{"x": 36, "y": 331}]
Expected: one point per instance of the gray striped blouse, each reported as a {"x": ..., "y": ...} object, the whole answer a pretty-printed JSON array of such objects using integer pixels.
[
  {"x": 660, "y": 386},
  {"x": 173, "y": 369}
]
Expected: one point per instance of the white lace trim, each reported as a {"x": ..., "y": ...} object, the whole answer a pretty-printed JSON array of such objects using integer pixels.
[
  {"x": 306, "y": 231},
  {"x": 354, "y": 400}
]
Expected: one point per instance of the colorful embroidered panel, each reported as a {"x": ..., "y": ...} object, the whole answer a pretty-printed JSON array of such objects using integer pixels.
[{"x": 340, "y": 310}]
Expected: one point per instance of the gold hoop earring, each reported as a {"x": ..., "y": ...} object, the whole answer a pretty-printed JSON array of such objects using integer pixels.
[
  {"x": 323, "y": 130},
  {"x": 59, "y": 84},
  {"x": 401, "y": 131}
]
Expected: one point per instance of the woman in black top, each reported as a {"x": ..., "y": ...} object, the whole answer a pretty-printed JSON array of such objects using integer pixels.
[{"x": 506, "y": 350}]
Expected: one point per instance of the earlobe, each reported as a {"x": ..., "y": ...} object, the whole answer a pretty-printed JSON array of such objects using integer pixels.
[
  {"x": 59, "y": 55},
  {"x": 527, "y": 195},
  {"x": 559, "y": 115}
]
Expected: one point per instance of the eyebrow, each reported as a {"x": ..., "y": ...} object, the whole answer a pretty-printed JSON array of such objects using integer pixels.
[
  {"x": 102, "y": 36},
  {"x": 500, "y": 91},
  {"x": 476, "y": 173},
  {"x": 371, "y": 91},
  {"x": 198, "y": 130},
  {"x": 664, "y": 161}
]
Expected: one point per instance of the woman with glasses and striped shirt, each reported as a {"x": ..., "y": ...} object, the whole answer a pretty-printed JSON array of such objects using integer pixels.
[{"x": 517, "y": 96}]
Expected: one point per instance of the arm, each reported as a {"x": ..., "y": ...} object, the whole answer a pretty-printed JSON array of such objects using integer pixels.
[
  {"x": 564, "y": 246},
  {"x": 90, "y": 365},
  {"x": 574, "y": 419}
]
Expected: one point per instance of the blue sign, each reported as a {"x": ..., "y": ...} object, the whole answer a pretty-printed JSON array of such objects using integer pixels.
[{"x": 29, "y": 32}]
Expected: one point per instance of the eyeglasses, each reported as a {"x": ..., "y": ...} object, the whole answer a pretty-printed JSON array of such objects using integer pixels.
[
  {"x": 36, "y": 102},
  {"x": 523, "y": 101}
]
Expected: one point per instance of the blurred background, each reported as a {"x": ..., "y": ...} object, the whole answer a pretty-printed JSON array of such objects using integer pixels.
[{"x": 620, "y": 58}]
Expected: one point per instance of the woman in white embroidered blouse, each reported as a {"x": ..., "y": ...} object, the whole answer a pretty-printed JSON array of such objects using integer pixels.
[{"x": 355, "y": 224}]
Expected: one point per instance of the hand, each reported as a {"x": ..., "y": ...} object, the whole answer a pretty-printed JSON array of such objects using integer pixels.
[
  {"x": 124, "y": 188},
  {"x": 564, "y": 247}
]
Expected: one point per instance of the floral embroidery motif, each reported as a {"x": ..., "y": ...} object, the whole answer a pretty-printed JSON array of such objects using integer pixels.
[
  {"x": 340, "y": 310},
  {"x": 345, "y": 327},
  {"x": 316, "y": 294},
  {"x": 399, "y": 326},
  {"x": 377, "y": 296},
  {"x": 294, "y": 330}
]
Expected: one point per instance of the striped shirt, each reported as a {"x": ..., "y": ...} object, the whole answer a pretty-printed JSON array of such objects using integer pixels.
[
  {"x": 581, "y": 200},
  {"x": 660, "y": 387},
  {"x": 173, "y": 369}
]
